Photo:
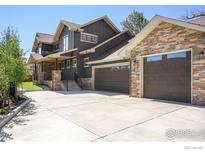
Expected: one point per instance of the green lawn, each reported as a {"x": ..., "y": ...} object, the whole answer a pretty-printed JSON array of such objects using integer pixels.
[{"x": 30, "y": 86}]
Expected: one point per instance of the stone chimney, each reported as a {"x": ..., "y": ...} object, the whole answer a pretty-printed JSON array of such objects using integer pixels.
[{"x": 198, "y": 20}]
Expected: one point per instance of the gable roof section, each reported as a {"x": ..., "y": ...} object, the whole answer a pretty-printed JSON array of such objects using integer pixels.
[
  {"x": 155, "y": 21},
  {"x": 76, "y": 27},
  {"x": 42, "y": 37},
  {"x": 106, "y": 19},
  {"x": 71, "y": 26},
  {"x": 47, "y": 38}
]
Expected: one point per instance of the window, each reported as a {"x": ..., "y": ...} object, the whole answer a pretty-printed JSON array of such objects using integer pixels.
[
  {"x": 120, "y": 68},
  {"x": 65, "y": 43},
  {"x": 154, "y": 58},
  {"x": 62, "y": 65},
  {"x": 85, "y": 37},
  {"x": 68, "y": 64},
  {"x": 85, "y": 62},
  {"x": 56, "y": 47},
  {"x": 124, "y": 68},
  {"x": 39, "y": 50},
  {"x": 74, "y": 62},
  {"x": 176, "y": 55}
]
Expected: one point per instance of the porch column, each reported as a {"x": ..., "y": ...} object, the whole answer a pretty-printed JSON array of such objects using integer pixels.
[
  {"x": 41, "y": 75},
  {"x": 56, "y": 79},
  {"x": 34, "y": 73}
]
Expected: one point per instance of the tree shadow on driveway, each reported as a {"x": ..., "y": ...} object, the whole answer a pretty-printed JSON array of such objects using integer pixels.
[{"x": 20, "y": 120}]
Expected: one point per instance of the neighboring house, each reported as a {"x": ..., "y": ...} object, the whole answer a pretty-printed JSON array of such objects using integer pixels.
[
  {"x": 168, "y": 61},
  {"x": 65, "y": 58}
]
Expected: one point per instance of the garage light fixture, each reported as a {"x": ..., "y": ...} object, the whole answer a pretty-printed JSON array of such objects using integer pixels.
[{"x": 201, "y": 55}]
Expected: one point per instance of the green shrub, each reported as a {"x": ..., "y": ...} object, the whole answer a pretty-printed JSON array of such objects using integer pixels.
[
  {"x": 12, "y": 63},
  {"x": 2, "y": 111}
]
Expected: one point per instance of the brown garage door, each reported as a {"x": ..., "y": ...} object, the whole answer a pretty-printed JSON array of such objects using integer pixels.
[
  {"x": 114, "y": 79},
  {"x": 168, "y": 77}
]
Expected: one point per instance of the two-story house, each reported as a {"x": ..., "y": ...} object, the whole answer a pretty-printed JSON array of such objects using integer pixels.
[{"x": 88, "y": 56}]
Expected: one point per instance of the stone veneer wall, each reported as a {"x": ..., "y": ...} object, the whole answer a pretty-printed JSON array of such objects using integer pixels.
[
  {"x": 166, "y": 38},
  {"x": 56, "y": 79}
]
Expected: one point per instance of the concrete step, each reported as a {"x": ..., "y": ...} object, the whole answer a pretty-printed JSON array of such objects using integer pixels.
[{"x": 72, "y": 85}]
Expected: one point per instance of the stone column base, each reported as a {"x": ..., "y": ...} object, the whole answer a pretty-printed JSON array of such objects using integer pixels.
[{"x": 56, "y": 79}]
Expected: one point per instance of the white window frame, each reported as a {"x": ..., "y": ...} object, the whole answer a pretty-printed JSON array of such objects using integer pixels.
[
  {"x": 83, "y": 37},
  {"x": 86, "y": 60},
  {"x": 68, "y": 62},
  {"x": 40, "y": 50},
  {"x": 74, "y": 64},
  {"x": 65, "y": 42}
]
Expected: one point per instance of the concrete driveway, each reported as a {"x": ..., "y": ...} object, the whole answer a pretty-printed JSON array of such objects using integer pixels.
[{"x": 102, "y": 116}]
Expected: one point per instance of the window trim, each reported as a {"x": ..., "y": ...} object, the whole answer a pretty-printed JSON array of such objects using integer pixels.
[
  {"x": 88, "y": 34},
  {"x": 65, "y": 42},
  {"x": 62, "y": 63},
  {"x": 85, "y": 64},
  {"x": 68, "y": 62},
  {"x": 75, "y": 62},
  {"x": 39, "y": 50}
]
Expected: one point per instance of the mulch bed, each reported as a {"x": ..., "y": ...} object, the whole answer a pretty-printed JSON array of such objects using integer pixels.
[{"x": 12, "y": 105}]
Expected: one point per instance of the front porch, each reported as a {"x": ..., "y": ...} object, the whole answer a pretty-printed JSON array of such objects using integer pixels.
[
  {"x": 56, "y": 75},
  {"x": 59, "y": 72}
]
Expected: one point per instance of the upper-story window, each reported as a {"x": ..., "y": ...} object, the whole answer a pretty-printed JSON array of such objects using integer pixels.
[
  {"x": 39, "y": 50},
  {"x": 56, "y": 47},
  {"x": 65, "y": 42},
  {"x": 90, "y": 38}
]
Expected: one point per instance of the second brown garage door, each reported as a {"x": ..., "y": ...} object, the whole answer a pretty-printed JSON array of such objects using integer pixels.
[
  {"x": 113, "y": 79},
  {"x": 168, "y": 77}
]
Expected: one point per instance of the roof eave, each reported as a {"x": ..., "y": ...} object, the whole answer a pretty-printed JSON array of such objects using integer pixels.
[{"x": 107, "y": 60}]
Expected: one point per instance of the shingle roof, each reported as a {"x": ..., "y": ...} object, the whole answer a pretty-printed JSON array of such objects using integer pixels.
[
  {"x": 199, "y": 20},
  {"x": 43, "y": 37},
  {"x": 72, "y": 25},
  {"x": 106, "y": 19},
  {"x": 33, "y": 57},
  {"x": 120, "y": 54}
]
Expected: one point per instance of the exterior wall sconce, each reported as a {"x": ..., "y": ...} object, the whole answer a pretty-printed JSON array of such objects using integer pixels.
[
  {"x": 201, "y": 55},
  {"x": 134, "y": 61}
]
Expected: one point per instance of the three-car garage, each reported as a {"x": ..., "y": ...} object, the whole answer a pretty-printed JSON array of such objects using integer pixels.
[{"x": 165, "y": 76}]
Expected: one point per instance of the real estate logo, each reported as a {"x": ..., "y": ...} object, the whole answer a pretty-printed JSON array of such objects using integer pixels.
[{"x": 173, "y": 134}]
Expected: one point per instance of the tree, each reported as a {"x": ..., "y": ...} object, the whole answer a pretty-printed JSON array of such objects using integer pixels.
[
  {"x": 193, "y": 14},
  {"x": 12, "y": 63},
  {"x": 135, "y": 22}
]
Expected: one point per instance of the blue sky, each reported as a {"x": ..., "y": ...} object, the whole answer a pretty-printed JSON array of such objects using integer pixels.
[{"x": 31, "y": 19}]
